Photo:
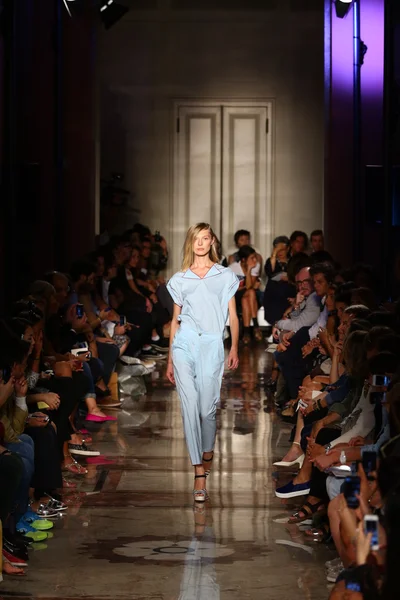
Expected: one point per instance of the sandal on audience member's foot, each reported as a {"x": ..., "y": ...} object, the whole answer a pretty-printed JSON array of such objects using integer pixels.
[
  {"x": 307, "y": 511},
  {"x": 74, "y": 467},
  {"x": 321, "y": 534},
  {"x": 200, "y": 495},
  {"x": 56, "y": 505},
  {"x": 45, "y": 512},
  {"x": 10, "y": 570},
  {"x": 14, "y": 561},
  {"x": 68, "y": 485},
  {"x": 207, "y": 467}
]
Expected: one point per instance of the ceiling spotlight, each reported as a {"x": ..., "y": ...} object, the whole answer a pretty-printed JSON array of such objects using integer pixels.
[
  {"x": 342, "y": 7},
  {"x": 111, "y": 12}
]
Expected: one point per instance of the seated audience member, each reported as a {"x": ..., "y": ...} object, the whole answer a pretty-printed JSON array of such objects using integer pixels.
[
  {"x": 248, "y": 273},
  {"x": 320, "y": 257},
  {"x": 139, "y": 298},
  {"x": 361, "y": 422},
  {"x": 317, "y": 241},
  {"x": 126, "y": 298},
  {"x": 83, "y": 286},
  {"x": 305, "y": 309},
  {"x": 293, "y": 362},
  {"x": 153, "y": 259},
  {"x": 278, "y": 288},
  {"x": 379, "y": 495},
  {"x": 30, "y": 435},
  {"x": 298, "y": 243},
  {"x": 243, "y": 238},
  {"x": 364, "y": 296}
]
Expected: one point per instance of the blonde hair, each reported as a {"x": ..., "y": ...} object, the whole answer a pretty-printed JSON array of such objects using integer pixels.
[{"x": 188, "y": 252}]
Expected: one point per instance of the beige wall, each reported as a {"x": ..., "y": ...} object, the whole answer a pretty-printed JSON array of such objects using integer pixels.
[{"x": 150, "y": 59}]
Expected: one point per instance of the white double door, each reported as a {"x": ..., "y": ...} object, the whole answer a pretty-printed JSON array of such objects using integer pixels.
[{"x": 222, "y": 172}]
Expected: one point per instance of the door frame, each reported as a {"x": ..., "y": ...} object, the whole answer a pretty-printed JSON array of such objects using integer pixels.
[{"x": 270, "y": 105}]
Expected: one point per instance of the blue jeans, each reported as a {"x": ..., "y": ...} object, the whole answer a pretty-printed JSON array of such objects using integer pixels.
[{"x": 25, "y": 449}]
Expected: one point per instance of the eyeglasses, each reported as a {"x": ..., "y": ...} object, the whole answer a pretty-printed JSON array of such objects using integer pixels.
[{"x": 303, "y": 282}]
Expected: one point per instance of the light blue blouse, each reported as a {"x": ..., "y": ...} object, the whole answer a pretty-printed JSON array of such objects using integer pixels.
[{"x": 204, "y": 301}]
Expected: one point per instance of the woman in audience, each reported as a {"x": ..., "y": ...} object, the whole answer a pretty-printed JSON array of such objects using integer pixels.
[
  {"x": 126, "y": 297},
  {"x": 247, "y": 270},
  {"x": 31, "y": 435},
  {"x": 278, "y": 289}
]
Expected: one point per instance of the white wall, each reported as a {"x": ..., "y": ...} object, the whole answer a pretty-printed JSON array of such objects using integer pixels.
[{"x": 149, "y": 59}]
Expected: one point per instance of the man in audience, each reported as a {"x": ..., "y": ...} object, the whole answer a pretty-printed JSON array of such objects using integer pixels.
[
  {"x": 317, "y": 242},
  {"x": 305, "y": 309},
  {"x": 293, "y": 364},
  {"x": 243, "y": 238},
  {"x": 298, "y": 242}
]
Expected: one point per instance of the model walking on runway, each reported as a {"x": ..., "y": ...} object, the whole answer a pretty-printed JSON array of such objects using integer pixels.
[{"x": 203, "y": 294}]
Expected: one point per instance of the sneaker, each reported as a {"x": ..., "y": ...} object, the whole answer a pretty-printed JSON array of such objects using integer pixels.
[
  {"x": 333, "y": 574},
  {"x": 149, "y": 364},
  {"x": 32, "y": 519},
  {"x": 162, "y": 345},
  {"x": 290, "y": 490},
  {"x": 134, "y": 371},
  {"x": 331, "y": 564},
  {"x": 29, "y": 532},
  {"x": 17, "y": 552},
  {"x": 153, "y": 353},
  {"x": 82, "y": 450},
  {"x": 131, "y": 360}
]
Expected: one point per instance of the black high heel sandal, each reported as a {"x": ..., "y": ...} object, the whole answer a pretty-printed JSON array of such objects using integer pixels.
[
  {"x": 208, "y": 471},
  {"x": 200, "y": 495}
]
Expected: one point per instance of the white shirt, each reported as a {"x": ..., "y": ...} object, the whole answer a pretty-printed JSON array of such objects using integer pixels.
[
  {"x": 236, "y": 267},
  {"x": 104, "y": 289}
]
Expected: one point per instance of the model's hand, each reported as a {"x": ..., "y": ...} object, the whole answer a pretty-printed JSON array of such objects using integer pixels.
[
  {"x": 233, "y": 360},
  {"x": 170, "y": 372}
]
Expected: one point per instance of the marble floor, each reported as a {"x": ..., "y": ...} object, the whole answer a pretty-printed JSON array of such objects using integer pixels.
[{"x": 132, "y": 531}]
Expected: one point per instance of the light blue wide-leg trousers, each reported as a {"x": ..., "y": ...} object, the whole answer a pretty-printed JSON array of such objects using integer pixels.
[{"x": 198, "y": 360}]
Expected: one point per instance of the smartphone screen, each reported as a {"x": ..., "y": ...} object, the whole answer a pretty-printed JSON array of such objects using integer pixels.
[
  {"x": 371, "y": 526},
  {"x": 369, "y": 463},
  {"x": 353, "y": 586},
  {"x": 79, "y": 311},
  {"x": 122, "y": 320},
  {"x": 351, "y": 488},
  {"x": 380, "y": 380}
]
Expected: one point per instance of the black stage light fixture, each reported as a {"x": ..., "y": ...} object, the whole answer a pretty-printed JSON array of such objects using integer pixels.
[
  {"x": 342, "y": 7},
  {"x": 111, "y": 12}
]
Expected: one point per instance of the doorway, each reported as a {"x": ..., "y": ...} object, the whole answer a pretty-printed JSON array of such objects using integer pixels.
[{"x": 223, "y": 172}]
